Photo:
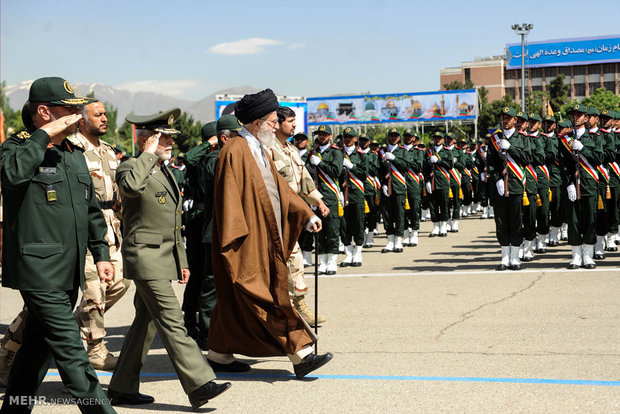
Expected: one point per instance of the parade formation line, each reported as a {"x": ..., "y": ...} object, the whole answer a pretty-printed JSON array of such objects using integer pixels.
[
  {"x": 390, "y": 378},
  {"x": 477, "y": 272}
]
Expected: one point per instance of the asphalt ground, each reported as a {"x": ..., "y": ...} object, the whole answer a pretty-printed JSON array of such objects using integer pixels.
[{"x": 432, "y": 329}]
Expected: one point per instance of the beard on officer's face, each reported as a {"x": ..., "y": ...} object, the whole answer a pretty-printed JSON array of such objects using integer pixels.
[{"x": 266, "y": 135}]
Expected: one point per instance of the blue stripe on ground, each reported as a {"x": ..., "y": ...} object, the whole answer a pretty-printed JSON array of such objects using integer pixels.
[{"x": 391, "y": 378}]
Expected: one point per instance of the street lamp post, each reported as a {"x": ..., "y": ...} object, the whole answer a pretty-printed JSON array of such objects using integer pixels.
[{"x": 522, "y": 30}]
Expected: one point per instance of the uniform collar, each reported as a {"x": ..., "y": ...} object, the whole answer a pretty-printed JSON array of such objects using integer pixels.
[
  {"x": 322, "y": 148},
  {"x": 349, "y": 150},
  {"x": 579, "y": 132},
  {"x": 509, "y": 132},
  {"x": 391, "y": 147},
  {"x": 438, "y": 148}
]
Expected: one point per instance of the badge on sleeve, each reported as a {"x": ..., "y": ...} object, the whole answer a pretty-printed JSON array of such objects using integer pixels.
[{"x": 161, "y": 197}]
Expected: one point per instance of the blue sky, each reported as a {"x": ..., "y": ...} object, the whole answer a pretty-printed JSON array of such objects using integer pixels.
[{"x": 185, "y": 48}]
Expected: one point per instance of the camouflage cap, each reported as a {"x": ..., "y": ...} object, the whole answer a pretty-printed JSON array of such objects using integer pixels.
[
  {"x": 508, "y": 110},
  {"x": 349, "y": 131},
  {"x": 535, "y": 117}
]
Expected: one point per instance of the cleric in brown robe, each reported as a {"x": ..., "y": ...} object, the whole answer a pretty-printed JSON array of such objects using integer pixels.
[{"x": 257, "y": 219}]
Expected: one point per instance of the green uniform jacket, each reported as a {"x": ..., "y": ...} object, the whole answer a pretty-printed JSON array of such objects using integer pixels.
[
  {"x": 416, "y": 159},
  {"x": 609, "y": 155},
  {"x": 194, "y": 185},
  {"x": 208, "y": 177},
  {"x": 459, "y": 164},
  {"x": 358, "y": 158},
  {"x": 372, "y": 171},
  {"x": 330, "y": 167},
  {"x": 520, "y": 152},
  {"x": 480, "y": 160},
  {"x": 152, "y": 245},
  {"x": 468, "y": 162},
  {"x": 611, "y": 141},
  {"x": 539, "y": 157},
  {"x": 51, "y": 214},
  {"x": 446, "y": 161},
  {"x": 593, "y": 153},
  {"x": 552, "y": 159},
  {"x": 401, "y": 164}
]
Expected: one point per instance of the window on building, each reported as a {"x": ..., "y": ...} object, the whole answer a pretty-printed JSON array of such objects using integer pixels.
[
  {"x": 579, "y": 70},
  {"x": 580, "y": 89},
  {"x": 551, "y": 72},
  {"x": 565, "y": 70},
  {"x": 595, "y": 69},
  {"x": 609, "y": 67},
  {"x": 594, "y": 86},
  {"x": 610, "y": 86},
  {"x": 536, "y": 73},
  {"x": 467, "y": 74},
  {"x": 510, "y": 92},
  {"x": 537, "y": 88}
]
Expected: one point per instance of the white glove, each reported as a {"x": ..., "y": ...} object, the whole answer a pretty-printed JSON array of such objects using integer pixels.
[
  {"x": 188, "y": 204},
  {"x": 385, "y": 190},
  {"x": 389, "y": 156},
  {"x": 482, "y": 176},
  {"x": 572, "y": 192},
  {"x": 429, "y": 188},
  {"x": 577, "y": 145},
  {"x": 348, "y": 164},
  {"x": 500, "y": 187},
  {"x": 315, "y": 160},
  {"x": 433, "y": 159},
  {"x": 504, "y": 144}
]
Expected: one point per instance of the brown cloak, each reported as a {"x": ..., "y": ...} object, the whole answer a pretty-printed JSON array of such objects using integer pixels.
[{"x": 253, "y": 315}]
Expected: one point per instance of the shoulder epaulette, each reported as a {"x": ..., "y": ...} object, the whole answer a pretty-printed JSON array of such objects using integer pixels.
[
  {"x": 595, "y": 133},
  {"x": 335, "y": 146},
  {"x": 402, "y": 146},
  {"x": 74, "y": 146},
  {"x": 23, "y": 135},
  {"x": 360, "y": 151}
]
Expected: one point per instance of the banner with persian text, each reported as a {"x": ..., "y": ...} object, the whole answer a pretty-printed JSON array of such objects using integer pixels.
[
  {"x": 564, "y": 52},
  {"x": 391, "y": 108}
]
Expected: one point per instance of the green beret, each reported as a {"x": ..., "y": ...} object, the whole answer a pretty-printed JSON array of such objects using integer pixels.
[
  {"x": 229, "y": 122},
  {"x": 510, "y": 111},
  {"x": 324, "y": 128},
  {"x": 564, "y": 123},
  {"x": 535, "y": 117},
  {"x": 159, "y": 122},
  {"x": 208, "y": 130},
  {"x": 578, "y": 108},
  {"x": 349, "y": 131},
  {"x": 550, "y": 118},
  {"x": 592, "y": 111},
  {"x": 522, "y": 115},
  {"x": 394, "y": 131}
]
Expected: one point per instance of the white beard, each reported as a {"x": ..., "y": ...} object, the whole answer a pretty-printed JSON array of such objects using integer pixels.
[{"x": 266, "y": 136}]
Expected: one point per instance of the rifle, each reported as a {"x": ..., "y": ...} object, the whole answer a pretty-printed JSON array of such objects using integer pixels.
[
  {"x": 577, "y": 178},
  {"x": 504, "y": 156},
  {"x": 433, "y": 173},
  {"x": 345, "y": 184}
]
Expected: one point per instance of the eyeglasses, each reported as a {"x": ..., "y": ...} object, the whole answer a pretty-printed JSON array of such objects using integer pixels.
[{"x": 271, "y": 122}]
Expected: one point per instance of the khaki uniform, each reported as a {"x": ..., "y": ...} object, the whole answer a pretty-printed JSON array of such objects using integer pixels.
[
  {"x": 99, "y": 297},
  {"x": 290, "y": 165}
]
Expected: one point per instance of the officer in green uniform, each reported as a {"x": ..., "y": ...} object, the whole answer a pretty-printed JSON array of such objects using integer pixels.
[
  {"x": 414, "y": 185},
  {"x": 564, "y": 128},
  {"x": 468, "y": 178},
  {"x": 456, "y": 178},
  {"x": 604, "y": 183},
  {"x": 611, "y": 204},
  {"x": 194, "y": 200},
  {"x": 480, "y": 164},
  {"x": 153, "y": 255},
  {"x": 581, "y": 154},
  {"x": 354, "y": 164},
  {"x": 328, "y": 162},
  {"x": 394, "y": 165},
  {"x": 509, "y": 151},
  {"x": 306, "y": 239},
  {"x": 371, "y": 190},
  {"x": 438, "y": 162},
  {"x": 556, "y": 210},
  {"x": 541, "y": 145},
  {"x": 531, "y": 187},
  {"x": 51, "y": 215}
]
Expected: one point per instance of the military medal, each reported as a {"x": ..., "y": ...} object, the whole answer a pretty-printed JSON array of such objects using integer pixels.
[
  {"x": 161, "y": 197},
  {"x": 51, "y": 193}
]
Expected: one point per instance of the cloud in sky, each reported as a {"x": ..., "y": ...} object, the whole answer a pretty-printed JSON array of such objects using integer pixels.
[
  {"x": 176, "y": 87},
  {"x": 250, "y": 46},
  {"x": 296, "y": 45}
]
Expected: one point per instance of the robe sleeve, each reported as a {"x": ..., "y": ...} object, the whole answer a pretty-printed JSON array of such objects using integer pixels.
[{"x": 230, "y": 222}]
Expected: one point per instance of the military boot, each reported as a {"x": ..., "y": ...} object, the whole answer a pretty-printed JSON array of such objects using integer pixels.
[
  {"x": 304, "y": 310},
  {"x": 99, "y": 356}
]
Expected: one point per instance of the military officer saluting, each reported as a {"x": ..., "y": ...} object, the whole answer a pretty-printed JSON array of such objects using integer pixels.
[
  {"x": 394, "y": 166},
  {"x": 581, "y": 154},
  {"x": 153, "y": 255},
  {"x": 328, "y": 161},
  {"x": 51, "y": 215},
  {"x": 437, "y": 163},
  {"x": 508, "y": 153}
]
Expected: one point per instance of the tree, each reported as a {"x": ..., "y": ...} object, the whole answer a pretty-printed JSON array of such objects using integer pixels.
[
  {"x": 537, "y": 102},
  {"x": 12, "y": 119},
  {"x": 456, "y": 85},
  {"x": 112, "y": 114},
  {"x": 558, "y": 93},
  {"x": 602, "y": 99}
]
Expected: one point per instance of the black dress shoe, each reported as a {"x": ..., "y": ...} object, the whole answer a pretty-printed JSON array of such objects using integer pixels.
[
  {"x": 443, "y": 234},
  {"x": 515, "y": 267},
  {"x": 398, "y": 250},
  {"x": 527, "y": 259},
  {"x": 501, "y": 267},
  {"x": 553, "y": 243},
  {"x": 235, "y": 366},
  {"x": 432, "y": 235},
  {"x": 386, "y": 250},
  {"x": 356, "y": 264},
  {"x": 330, "y": 272},
  {"x": 345, "y": 264},
  {"x": 311, "y": 363},
  {"x": 599, "y": 256},
  {"x": 121, "y": 398},
  {"x": 612, "y": 249},
  {"x": 589, "y": 266},
  {"x": 208, "y": 391},
  {"x": 573, "y": 266}
]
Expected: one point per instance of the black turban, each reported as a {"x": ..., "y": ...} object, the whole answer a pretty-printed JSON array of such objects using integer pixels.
[{"x": 255, "y": 106}]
